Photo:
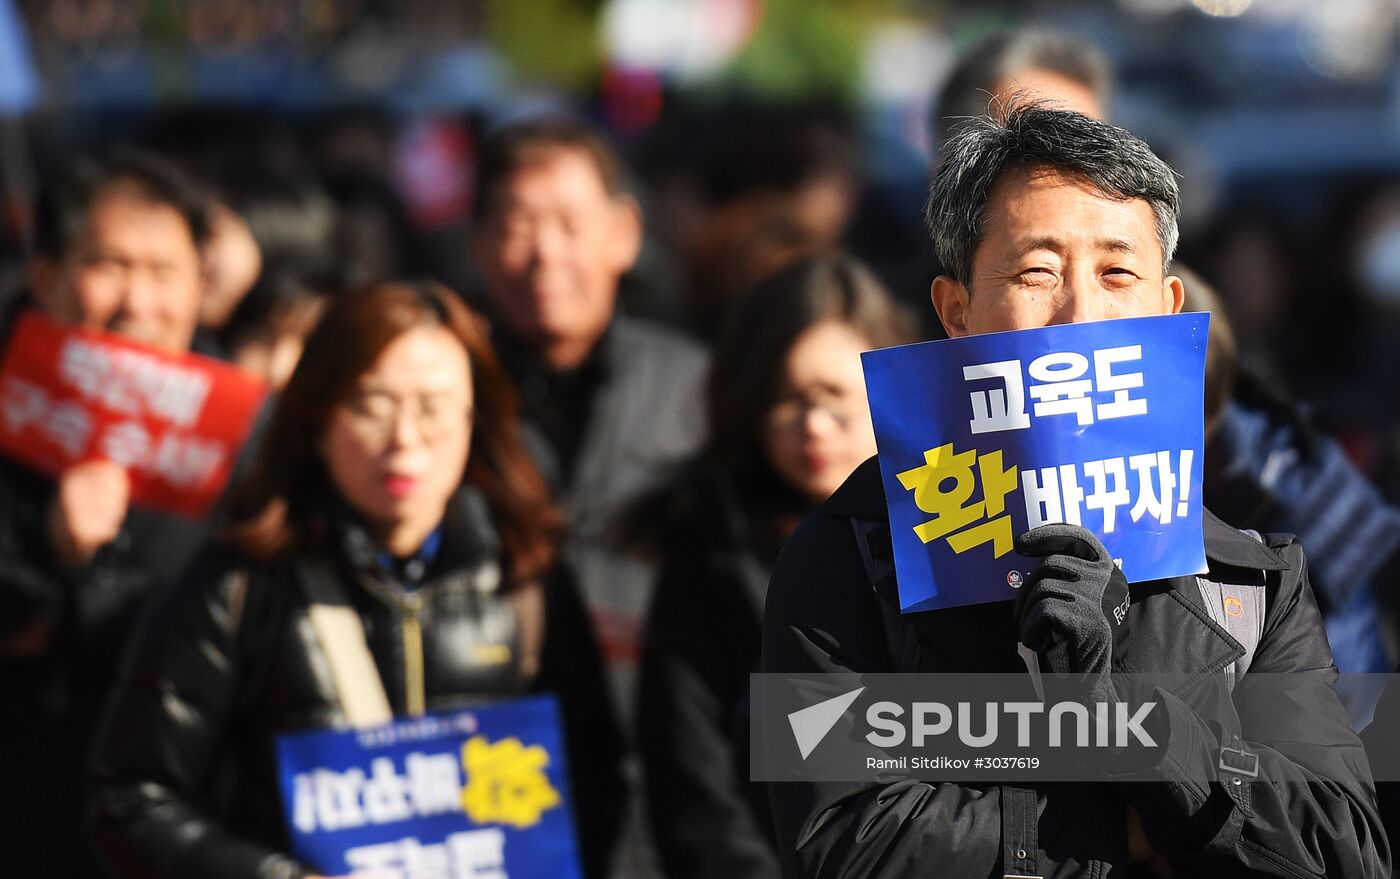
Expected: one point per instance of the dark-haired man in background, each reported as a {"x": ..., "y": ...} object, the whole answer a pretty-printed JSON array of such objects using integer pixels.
[
  {"x": 1050, "y": 65},
  {"x": 613, "y": 400},
  {"x": 117, "y": 249}
]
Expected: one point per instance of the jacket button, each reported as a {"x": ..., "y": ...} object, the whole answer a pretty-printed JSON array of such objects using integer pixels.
[
  {"x": 1021, "y": 853},
  {"x": 1236, "y": 780}
]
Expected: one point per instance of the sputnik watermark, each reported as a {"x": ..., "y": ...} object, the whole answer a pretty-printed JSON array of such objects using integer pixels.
[
  {"x": 932, "y": 720},
  {"x": 1099, "y": 724},
  {"x": 843, "y": 727},
  {"x": 810, "y": 725},
  {"x": 1001, "y": 727}
]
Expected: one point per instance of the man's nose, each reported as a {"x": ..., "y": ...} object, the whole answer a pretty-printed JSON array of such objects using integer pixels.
[
  {"x": 547, "y": 243},
  {"x": 140, "y": 297},
  {"x": 1081, "y": 300}
]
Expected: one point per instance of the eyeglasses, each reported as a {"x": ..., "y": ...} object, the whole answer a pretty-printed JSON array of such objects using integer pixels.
[
  {"x": 791, "y": 411},
  {"x": 375, "y": 415}
]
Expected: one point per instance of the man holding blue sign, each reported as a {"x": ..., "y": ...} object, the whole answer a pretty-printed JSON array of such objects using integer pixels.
[{"x": 1085, "y": 441}]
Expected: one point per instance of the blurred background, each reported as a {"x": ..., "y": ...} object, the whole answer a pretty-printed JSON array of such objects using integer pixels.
[{"x": 1282, "y": 116}]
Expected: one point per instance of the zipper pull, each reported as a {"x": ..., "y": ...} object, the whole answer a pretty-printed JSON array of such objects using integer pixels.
[{"x": 415, "y": 696}]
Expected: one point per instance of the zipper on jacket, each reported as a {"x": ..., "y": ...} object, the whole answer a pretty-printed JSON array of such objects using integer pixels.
[
  {"x": 409, "y": 604},
  {"x": 415, "y": 696}
]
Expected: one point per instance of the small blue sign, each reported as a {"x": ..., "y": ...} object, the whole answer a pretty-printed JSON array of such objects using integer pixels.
[
  {"x": 453, "y": 795},
  {"x": 981, "y": 438}
]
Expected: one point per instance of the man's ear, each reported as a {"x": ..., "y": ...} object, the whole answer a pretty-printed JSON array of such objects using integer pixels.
[
  {"x": 1173, "y": 294},
  {"x": 626, "y": 243},
  {"x": 950, "y": 298}
]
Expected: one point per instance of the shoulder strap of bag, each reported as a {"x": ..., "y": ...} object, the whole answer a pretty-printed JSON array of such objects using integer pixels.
[
  {"x": 877, "y": 556},
  {"x": 341, "y": 636},
  {"x": 1019, "y": 809},
  {"x": 876, "y": 552},
  {"x": 1239, "y": 609}
]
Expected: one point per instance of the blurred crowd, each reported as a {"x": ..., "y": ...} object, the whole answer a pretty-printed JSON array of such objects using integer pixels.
[{"x": 546, "y": 403}]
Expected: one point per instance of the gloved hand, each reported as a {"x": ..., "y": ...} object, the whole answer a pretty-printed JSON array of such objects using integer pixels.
[
  {"x": 1072, "y": 610},
  {"x": 1074, "y": 606}
]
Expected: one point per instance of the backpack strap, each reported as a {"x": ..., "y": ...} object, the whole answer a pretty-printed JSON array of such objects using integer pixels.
[
  {"x": 1239, "y": 609},
  {"x": 1020, "y": 832},
  {"x": 877, "y": 555},
  {"x": 341, "y": 636},
  {"x": 876, "y": 548}
]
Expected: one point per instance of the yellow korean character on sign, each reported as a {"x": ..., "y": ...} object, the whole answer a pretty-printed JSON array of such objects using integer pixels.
[
  {"x": 951, "y": 510},
  {"x": 506, "y": 782}
]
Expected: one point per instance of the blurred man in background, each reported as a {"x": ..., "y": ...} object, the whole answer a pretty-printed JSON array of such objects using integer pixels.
[
  {"x": 1065, "y": 70},
  {"x": 117, "y": 249},
  {"x": 613, "y": 401},
  {"x": 1061, "y": 69}
]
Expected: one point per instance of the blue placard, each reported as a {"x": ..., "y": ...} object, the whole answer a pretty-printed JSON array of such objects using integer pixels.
[
  {"x": 981, "y": 438},
  {"x": 453, "y": 795}
]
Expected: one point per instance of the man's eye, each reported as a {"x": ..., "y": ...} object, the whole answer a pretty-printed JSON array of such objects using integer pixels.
[
  {"x": 570, "y": 223},
  {"x": 1038, "y": 275},
  {"x": 515, "y": 223},
  {"x": 373, "y": 405}
]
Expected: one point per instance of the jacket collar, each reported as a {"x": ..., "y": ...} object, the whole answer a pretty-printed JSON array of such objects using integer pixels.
[
  {"x": 524, "y": 364},
  {"x": 1231, "y": 546},
  {"x": 862, "y": 495},
  {"x": 465, "y": 539}
]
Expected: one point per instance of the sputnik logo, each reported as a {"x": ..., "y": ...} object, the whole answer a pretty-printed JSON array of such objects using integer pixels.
[{"x": 810, "y": 725}]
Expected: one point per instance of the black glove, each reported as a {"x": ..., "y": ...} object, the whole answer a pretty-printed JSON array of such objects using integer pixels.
[
  {"x": 1073, "y": 610},
  {"x": 1074, "y": 606}
]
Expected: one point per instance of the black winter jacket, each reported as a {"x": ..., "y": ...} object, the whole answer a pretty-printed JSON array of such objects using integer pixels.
[
  {"x": 185, "y": 767},
  {"x": 54, "y": 685},
  {"x": 1305, "y": 816},
  {"x": 89, "y": 609},
  {"x": 641, "y": 399},
  {"x": 54, "y": 688},
  {"x": 702, "y": 643}
]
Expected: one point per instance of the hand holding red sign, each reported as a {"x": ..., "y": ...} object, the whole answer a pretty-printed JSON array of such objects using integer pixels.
[
  {"x": 88, "y": 509},
  {"x": 173, "y": 425}
]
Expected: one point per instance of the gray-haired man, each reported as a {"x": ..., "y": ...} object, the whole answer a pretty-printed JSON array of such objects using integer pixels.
[{"x": 1049, "y": 217}]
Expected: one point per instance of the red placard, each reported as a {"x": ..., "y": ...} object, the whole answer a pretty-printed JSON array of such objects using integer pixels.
[{"x": 176, "y": 423}]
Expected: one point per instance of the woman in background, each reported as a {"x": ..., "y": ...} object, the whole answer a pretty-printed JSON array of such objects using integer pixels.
[
  {"x": 394, "y": 472},
  {"x": 788, "y": 422}
]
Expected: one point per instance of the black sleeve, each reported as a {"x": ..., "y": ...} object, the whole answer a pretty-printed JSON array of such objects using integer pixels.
[
  {"x": 1312, "y": 809},
  {"x": 32, "y": 585},
  {"x": 1380, "y": 738},
  {"x": 571, "y": 667},
  {"x": 821, "y": 616},
  {"x": 163, "y": 734},
  {"x": 701, "y": 645}
]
